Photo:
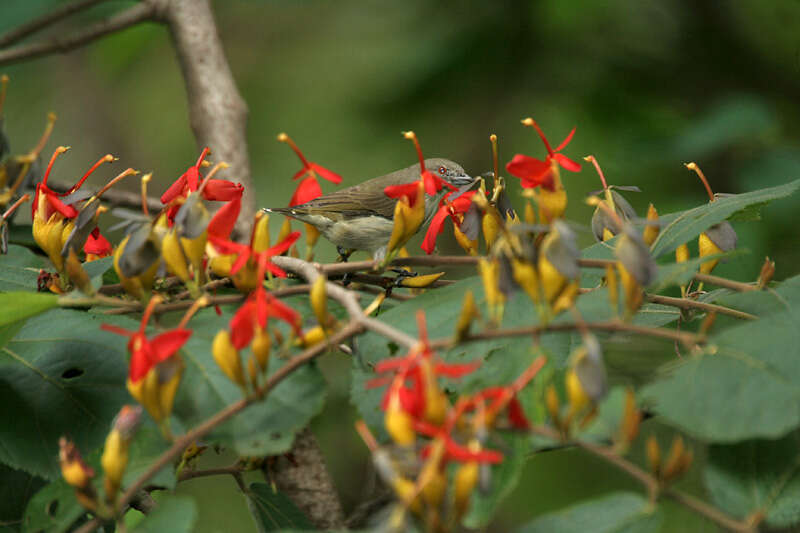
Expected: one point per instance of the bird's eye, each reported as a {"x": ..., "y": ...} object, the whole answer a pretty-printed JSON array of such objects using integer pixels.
[{"x": 442, "y": 170}]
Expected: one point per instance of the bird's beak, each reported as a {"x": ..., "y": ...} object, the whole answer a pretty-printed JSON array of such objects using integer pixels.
[{"x": 461, "y": 181}]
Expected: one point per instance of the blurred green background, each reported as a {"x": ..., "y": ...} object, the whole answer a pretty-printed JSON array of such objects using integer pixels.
[{"x": 650, "y": 84}]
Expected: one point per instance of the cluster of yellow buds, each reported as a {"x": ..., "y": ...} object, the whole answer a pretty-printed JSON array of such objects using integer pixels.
[{"x": 677, "y": 462}]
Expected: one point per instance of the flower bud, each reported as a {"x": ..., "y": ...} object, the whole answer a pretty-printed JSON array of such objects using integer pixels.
[
  {"x": 468, "y": 313},
  {"x": 717, "y": 239},
  {"x": 489, "y": 270},
  {"x": 553, "y": 405},
  {"x": 227, "y": 357},
  {"x": 652, "y": 229},
  {"x": 678, "y": 460},
  {"x": 261, "y": 346},
  {"x": 436, "y": 404},
  {"x": 115, "y": 452},
  {"x": 73, "y": 468},
  {"x": 261, "y": 240},
  {"x": 174, "y": 255},
  {"x": 525, "y": 275},
  {"x": 631, "y": 419},
  {"x": 613, "y": 288},
  {"x": 465, "y": 480},
  {"x": 420, "y": 282},
  {"x": 311, "y": 337},
  {"x": 319, "y": 299},
  {"x": 489, "y": 225},
  {"x": 767, "y": 271},
  {"x": 399, "y": 423},
  {"x": 653, "y": 455}
]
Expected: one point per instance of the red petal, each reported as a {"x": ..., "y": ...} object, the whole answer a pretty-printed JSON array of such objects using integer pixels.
[
  {"x": 392, "y": 364},
  {"x": 429, "y": 244},
  {"x": 192, "y": 175},
  {"x": 67, "y": 210},
  {"x": 526, "y": 167},
  {"x": 174, "y": 190},
  {"x": 224, "y": 219},
  {"x": 118, "y": 330},
  {"x": 327, "y": 174},
  {"x": 241, "y": 260},
  {"x": 307, "y": 190},
  {"x": 456, "y": 370},
  {"x": 275, "y": 269},
  {"x": 409, "y": 190},
  {"x": 567, "y": 163},
  {"x": 463, "y": 454},
  {"x": 433, "y": 184},
  {"x": 516, "y": 415},
  {"x": 262, "y": 309},
  {"x": 140, "y": 365},
  {"x": 566, "y": 141},
  {"x": 241, "y": 326},
  {"x": 222, "y": 190},
  {"x": 284, "y": 245},
  {"x": 374, "y": 383},
  {"x": 97, "y": 244},
  {"x": 280, "y": 310},
  {"x": 167, "y": 343},
  {"x": 302, "y": 172}
]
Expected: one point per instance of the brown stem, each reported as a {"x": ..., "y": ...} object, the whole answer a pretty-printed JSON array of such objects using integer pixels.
[
  {"x": 348, "y": 299},
  {"x": 231, "y": 470},
  {"x": 39, "y": 23},
  {"x": 687, "y": 338},
  {"x": 120, "y": 21},
  {"x": 199, "y": 431},
  {"x": 685, "y": 303},
  {"x": 726, "y": 283}
]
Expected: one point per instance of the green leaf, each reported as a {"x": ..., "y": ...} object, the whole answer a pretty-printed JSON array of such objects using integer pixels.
[
  {"x": 176, "y": 514},
  {"x": 19, "y": 269},
  {"x": 148, "y": 444},
  {"x": 264, "y": 429},
  {"x": 16, "y": 306},
  {"x": 273, "y": 510},
  {"x": 53, "y": 509},
  {"x": 59, "y": 375},
  {"x": 689, "y": 224},
  {"x": 16, "y": 490},
  {"x": 757, "y": 476},
  {"x": 616, "y": 513},
  {"x": 741, "y": 386}
]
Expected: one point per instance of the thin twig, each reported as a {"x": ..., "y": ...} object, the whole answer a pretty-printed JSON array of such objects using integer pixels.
[
  {"x": 726, "y": 283},
  {"x": 348, "y": 299},
  {"x": 684, "y": 303},
  {"x": 687, "y": 338},
  {"x": 39, "y": 23},
  {"x": 181, "y": 443},
  {"x": 120, "y": 21},
  {"x": 231, "y": 470}
]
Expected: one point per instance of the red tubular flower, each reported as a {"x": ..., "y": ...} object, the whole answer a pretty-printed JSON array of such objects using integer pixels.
[
  {"x": 190, "y": 181},
  {"x": 455, "y": 210},
  {"x": 257, "y": 309},
  {"x": 407, "y": 190},
  {"x": 310, "y": 169},
  {"x": 221, "y": 224},
  {"x": 146, "y": 353},
  {"x": 96, "y": 245},
  {"x": 433, "y": 184},
  {"x": 245, "y": 252},
  {"x": 52, "y": 203},
  {"x": 407, "y": 379},
  {"x": 535, "y": 172}
]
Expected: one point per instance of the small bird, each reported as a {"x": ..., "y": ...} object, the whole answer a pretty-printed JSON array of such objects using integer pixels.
[{"x": 361, "y": 217}]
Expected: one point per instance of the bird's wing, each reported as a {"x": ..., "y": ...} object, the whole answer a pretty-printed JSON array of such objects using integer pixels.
[{"x": 363, "y": 199}]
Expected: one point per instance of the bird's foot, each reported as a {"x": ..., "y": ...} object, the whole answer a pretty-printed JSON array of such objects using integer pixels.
[
  {"x": 344, "y": 254},
  {"x": 401, "y": 275}
]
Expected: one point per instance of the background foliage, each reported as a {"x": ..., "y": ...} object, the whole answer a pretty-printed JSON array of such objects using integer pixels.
[{"x": 649, "y": 84}]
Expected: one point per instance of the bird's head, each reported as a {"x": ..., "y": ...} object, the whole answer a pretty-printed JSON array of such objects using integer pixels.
[{"x": 449, "y": 171}]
